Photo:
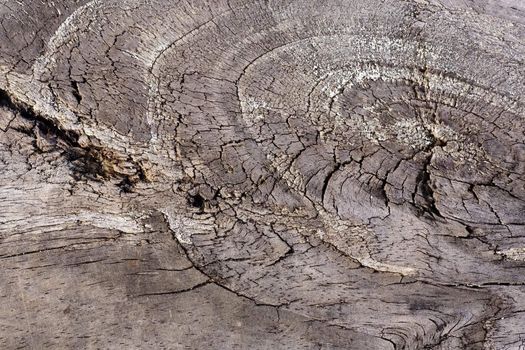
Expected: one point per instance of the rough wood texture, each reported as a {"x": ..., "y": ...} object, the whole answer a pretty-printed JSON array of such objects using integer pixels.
[{"x": 262, "y": 174}]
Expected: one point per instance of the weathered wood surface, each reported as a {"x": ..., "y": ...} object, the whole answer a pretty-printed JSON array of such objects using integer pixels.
[{"x": 262, "y": 174}]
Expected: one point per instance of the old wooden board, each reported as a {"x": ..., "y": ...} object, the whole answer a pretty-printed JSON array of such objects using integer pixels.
[{"x": 336, "y": 174}]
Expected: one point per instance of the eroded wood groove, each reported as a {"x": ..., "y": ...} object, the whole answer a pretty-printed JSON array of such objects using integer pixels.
[{"x": 235, "y": 174}]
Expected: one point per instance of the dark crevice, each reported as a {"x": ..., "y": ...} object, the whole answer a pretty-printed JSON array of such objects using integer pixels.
[
  {"x": 196, "y": 201},
  {"x": 428, "y": 203},
  {"x": 47, "y": 126},
  {"x": 192, "y": 288},
  {"x": 126, "y": 185},
  {"x": 89, "y": 162},
  {"x": 76, "y": 91},
  {"x": 328, "y": 177}
]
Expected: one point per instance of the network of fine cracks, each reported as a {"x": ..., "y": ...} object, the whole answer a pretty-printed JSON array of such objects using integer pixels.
[{"x": 344, "y": 175}]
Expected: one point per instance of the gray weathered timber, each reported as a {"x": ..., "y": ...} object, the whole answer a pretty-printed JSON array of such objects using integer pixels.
[{"x": 336, "y": 174}]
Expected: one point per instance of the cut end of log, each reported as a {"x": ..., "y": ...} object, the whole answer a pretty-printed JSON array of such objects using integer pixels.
[{"x": 240, "y": 174}]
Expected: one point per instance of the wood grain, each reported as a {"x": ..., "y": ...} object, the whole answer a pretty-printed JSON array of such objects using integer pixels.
[{"x": 262, "y": 174}]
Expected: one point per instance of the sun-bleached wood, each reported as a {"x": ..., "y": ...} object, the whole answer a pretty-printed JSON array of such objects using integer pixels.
[{"x": 282, "y": 174}]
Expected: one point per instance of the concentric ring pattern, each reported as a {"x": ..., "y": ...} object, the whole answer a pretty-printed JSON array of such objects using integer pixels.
[{"x": 341, "y": 156}]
